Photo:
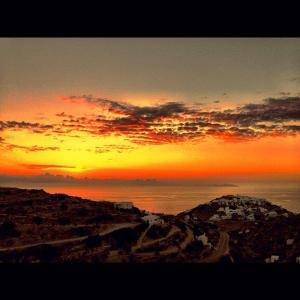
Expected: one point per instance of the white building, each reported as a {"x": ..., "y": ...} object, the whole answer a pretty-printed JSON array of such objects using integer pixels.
[
  {"x": 289, "y": 242},
  {"x": 226, "y": 217},
  {"x": 272, "y": 259},
  {"x": 227, "y": 210},
  {"x": 187, "y": 218},
  {"x": 123, "y": 205},
  {"x": 153, "y": 219},
  {"x": 214, "y": 218},
  {"x": 272, "y": 214},
  {"x": 251, "y": 217},
  {"x": 298, "y": 260},
  {"x": 204, "y": 239}
]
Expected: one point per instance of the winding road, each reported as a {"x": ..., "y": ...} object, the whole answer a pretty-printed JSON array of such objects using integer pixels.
[
  {"x": 70, "y": 240},
  {"x": 220, "y": 250}
]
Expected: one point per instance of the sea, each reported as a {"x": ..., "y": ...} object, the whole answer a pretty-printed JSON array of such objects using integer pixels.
[{"x": 176, "y": 199}]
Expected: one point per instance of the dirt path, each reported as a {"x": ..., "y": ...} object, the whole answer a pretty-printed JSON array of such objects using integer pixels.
[
  {"x": 220, "y": 250},
  {"x": 81, "y": 238},
  {"x": 140, "y": 240},
  {"x": 172, "y": 231},
  {"x": 188, "y": 239},
  {"x": 176, "y": 249}
]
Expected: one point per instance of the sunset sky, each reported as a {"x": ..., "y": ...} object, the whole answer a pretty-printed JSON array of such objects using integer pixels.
[{"x": 150, "y": 108}]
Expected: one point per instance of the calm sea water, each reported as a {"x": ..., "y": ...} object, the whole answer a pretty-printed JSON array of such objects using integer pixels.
[{"x": 175, "y": 199}]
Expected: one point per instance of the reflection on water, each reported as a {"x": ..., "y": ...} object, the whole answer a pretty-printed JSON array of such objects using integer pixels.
[{"x": 175, "y": 199}]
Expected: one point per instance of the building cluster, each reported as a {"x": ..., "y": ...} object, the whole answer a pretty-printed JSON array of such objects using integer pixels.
[
  {"x": 152, "y": 219},
  {"x": 123, "y": 205},
  {"x": 275, "y": 258},
  {"x": 241, "y": 207},
  {"x": 148, "y": 218},
  {"x": 239, "y": 200}
]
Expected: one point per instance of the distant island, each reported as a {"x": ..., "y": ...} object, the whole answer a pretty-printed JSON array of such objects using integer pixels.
[
  {"x": 38, "y": 227},
  {"x": 50, "y": 179}
]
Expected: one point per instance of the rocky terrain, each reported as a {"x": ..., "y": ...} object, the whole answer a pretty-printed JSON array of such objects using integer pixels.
[{"x": 38, "y": 227}]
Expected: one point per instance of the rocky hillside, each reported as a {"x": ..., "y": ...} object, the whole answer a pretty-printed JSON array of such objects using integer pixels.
[
  {"x": 36, "y": 226},
  {"x": 258, "y": 230}
]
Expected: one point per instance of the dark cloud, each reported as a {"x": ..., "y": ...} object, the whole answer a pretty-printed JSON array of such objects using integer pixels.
[
  {"x": 272, "y": 109},
  {"x": 295, "y": 79},
  {"x": 43, "y": 167},
  {"x": 284, "y": 94},
  {"x": 35, "y": 148},
  {"x": 24, "y": 125},
  {"x": 172, "y": 122},
  {"x": 109, "y": 105},
  {"x": 63, "y": 114},
  {"x": 113, "y": 147}
]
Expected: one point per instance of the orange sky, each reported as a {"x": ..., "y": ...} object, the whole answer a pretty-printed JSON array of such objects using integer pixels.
[
  {"x": 144, "y": 108},
  {"x": 25, "y": 151}
]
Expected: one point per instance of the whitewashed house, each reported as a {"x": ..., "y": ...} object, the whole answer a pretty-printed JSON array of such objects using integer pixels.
[
  {"x": 187, "y": 218},
  {"x": 123, "y": 205},
  {"x": 226, "y": 217},
  {"x": 290, "y": 242},
  {"x": 251, "y": 217},
  {"x": 272, "y": 214},
  {"x": 227, "y": 210},
  {"x": 204, "y": 239},
  {"x": 214, "y": 218},
  {"x": 272, "y": 259},
  {"x": 153, "y": 219}
]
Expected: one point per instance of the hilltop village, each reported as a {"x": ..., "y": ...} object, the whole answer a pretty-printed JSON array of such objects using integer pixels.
[{"x": 38, "y": 227}]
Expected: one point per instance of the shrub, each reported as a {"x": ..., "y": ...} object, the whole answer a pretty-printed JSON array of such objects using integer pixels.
[
  {"x": 195, "y": 246},
  {"x": 37, "y": 220},
  {"x": 135, "y": 210},
  {"x": 60, "y": 196},
  {"x": 64, "y": 221},
  {"x": 124, "y": 237},
  {"x": 101, "y": 218},
  {"x": 141, "y": 227},
  {"x": 181, "y": 225},
  {"x": 8, "y": 229},
  {"x": 198, "y": 230},
  {"x": 158, "y": 231},
  {"x": 93, "y": 241},
  {"x": 27, "y": 202},
  {"x": 81, "y": 231},
  {"x": 225, "y": 259},
  {"x": 63, "y": 206},
  {"x": 81, "y": 211},
  {"x": 45, "y": 252}
]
